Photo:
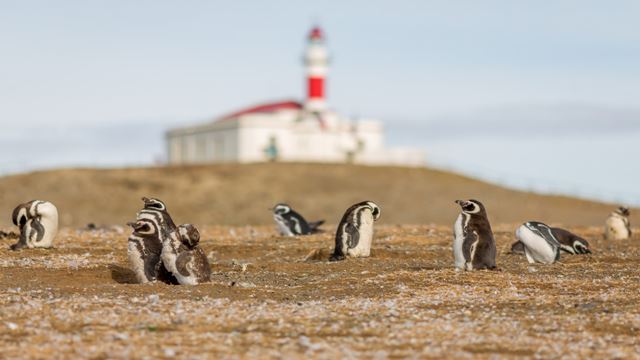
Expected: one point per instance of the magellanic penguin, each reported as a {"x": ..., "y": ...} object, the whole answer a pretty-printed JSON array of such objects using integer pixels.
[
  {"x": 355, "y": 231},
  {"x": 38, "y": 224},
  {"x": 153, "y": 224},
  {"x": 569, "y": 243},
  {"x": 144, "y": 249},
  {"x": 291, "y": 223},
  {"x": 617, "y": 226},
  {"x": 182, "y": 256},
  {"x": 474, "y": 247},
  {"x": 540, "y": 244}
]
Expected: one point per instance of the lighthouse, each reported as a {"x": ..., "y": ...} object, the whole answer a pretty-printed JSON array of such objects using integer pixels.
[
  {"x": 304, "y": 130},
  {"x": 316, "y": 61}
]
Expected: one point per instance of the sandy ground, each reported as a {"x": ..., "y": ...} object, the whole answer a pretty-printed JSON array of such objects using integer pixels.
[{"x": 406, "y": 301}]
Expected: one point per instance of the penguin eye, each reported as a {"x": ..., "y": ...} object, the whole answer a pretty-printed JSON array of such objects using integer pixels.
[
  {"x": 376, "y": 211},
  {"x": 469, "y": 207}
]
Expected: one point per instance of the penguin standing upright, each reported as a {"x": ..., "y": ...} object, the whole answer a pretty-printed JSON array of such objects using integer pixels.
[
  {"x": 474, "y": 247},
  {"x": 617, "y": 226},
  {"x": 144, "y": 248},
  {"x": 153, "y": 224},
  {"x": 291, "y": 223},
  {"x": 182, "y": 256},
  {"x": 38, "y": 224},
  {"x": 355, "y": 231},
  {"x": 540, "y": 244},
  {"x": 569, "y": 243}
]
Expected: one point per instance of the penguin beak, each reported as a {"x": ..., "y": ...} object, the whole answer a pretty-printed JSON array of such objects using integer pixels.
[
  {"x": 145, "y": 199},
  {"x": 459, "y": 202}
]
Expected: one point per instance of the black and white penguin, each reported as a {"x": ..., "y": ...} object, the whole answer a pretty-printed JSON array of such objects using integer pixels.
[
  {"x": 144, "y": 249},
  {"x": 569, "y": 243},
  {"x": 540, "y": 244},
  {"x": 156, "y": 209},
  {"x": 355, "y": 231},
  {"x": 182, "y": 256},
  {"x": 474, "y": 247},
  {"x": 153, "y": 224},
  {"x": 617, "y": 226},
  {"x": 291, "y": 223},
  {"x": 38, "y": 224}
]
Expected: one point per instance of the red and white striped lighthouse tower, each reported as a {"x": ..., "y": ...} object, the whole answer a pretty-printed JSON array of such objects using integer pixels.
[{"x": 316, "y": 61}]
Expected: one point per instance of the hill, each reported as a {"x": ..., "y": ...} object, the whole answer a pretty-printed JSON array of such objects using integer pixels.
[{"x": 242, "y": 194}]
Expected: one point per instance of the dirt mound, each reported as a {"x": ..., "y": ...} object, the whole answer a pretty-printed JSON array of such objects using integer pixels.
[{"x": 241, "y": 194}]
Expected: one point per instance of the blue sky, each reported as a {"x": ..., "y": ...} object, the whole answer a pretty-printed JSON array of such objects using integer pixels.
[{"x": 77, "y": 76}]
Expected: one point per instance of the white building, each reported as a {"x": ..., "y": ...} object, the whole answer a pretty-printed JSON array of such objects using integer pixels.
[{"x": 290, "y": 130}]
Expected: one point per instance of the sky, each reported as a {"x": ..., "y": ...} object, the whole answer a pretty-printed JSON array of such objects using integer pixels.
[{"x": 98, "y": 82}]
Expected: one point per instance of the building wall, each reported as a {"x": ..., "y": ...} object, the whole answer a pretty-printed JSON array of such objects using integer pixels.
[{"x": 287, "y": 137}]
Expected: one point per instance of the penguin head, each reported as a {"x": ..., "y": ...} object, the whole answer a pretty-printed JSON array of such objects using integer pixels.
[
  {"x": 375, "y": 210},
  {"x": 471, "y": 207},
  {"x": 623, "y": 210},
  {"x": 189, "y": 235},
  {"x": 153, "y": 203},
  {"x": 143, "y": 227},
  {"x": 281, "y": 209},
  {"x": 581, "y": 246},
  {"x": 19, "y": 215}
]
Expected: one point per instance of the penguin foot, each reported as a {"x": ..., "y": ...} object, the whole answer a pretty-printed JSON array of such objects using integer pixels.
[{"x": 337, "y": 257}]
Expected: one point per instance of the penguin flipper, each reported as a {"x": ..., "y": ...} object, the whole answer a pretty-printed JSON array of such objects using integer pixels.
[
  {"x": 348, "y": 238},
  {"x": 468, "y": 246},
  {"x": 353, "y": 236}
]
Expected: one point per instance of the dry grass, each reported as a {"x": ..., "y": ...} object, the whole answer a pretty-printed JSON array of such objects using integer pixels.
[
  {"x": 240, "y": 194},
  {"x": 76, "y": 301}
]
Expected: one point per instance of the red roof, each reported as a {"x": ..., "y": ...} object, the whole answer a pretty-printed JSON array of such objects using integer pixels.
[
  {"x": 316, "y": 33},
  {"x": 265, "y": 108}
]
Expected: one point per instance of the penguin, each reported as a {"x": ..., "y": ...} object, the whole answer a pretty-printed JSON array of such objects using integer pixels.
[
  {"x": 156, "y": 209},
  {"x": 355, "y": 231},
  {"x": 184, "y": 258},
  {"x": 569, "y": 243},
  {"x": 291, "y": 223},
  {"x": 474, "y": 247},
  {"x": 144, "y": 249},
  {"x": 617, "y": 226},
  {"x": 540, "y": 244},
  {"x": 153, "y": 224},
  {"x": 37, "y": 221}
]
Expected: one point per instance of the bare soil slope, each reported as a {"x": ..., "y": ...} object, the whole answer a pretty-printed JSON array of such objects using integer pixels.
[
  {"x": 241, "y": 194},
  {"x": 77, "y": 301}
]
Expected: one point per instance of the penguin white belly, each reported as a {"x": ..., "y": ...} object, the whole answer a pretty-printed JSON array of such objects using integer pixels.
[
  {"x": 457, "y": 242},
  {"x": 535, "y": 248},
  {"x": 363, "y": 249},
  {"x": 616, "y": 229},
  {"x": 137, "y": 263},
  {"x": 282, "y": 227},
  {"x": 50, "y": 231}
]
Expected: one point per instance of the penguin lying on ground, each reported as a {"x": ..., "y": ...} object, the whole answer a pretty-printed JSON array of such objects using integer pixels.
[
  {"x": 153, "y": 224},
  {"x": 617, "y": 226},
  {"x": 38, "y": 224},
  {"x": 355, "y": 231},
  {"x": 182, "y": 256},
  {"x": 569, "y": 243},
  {"x": 290, "y": 223},
  {"x": 540, "y": 243},
  {"x": 474, "y": 247}
]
